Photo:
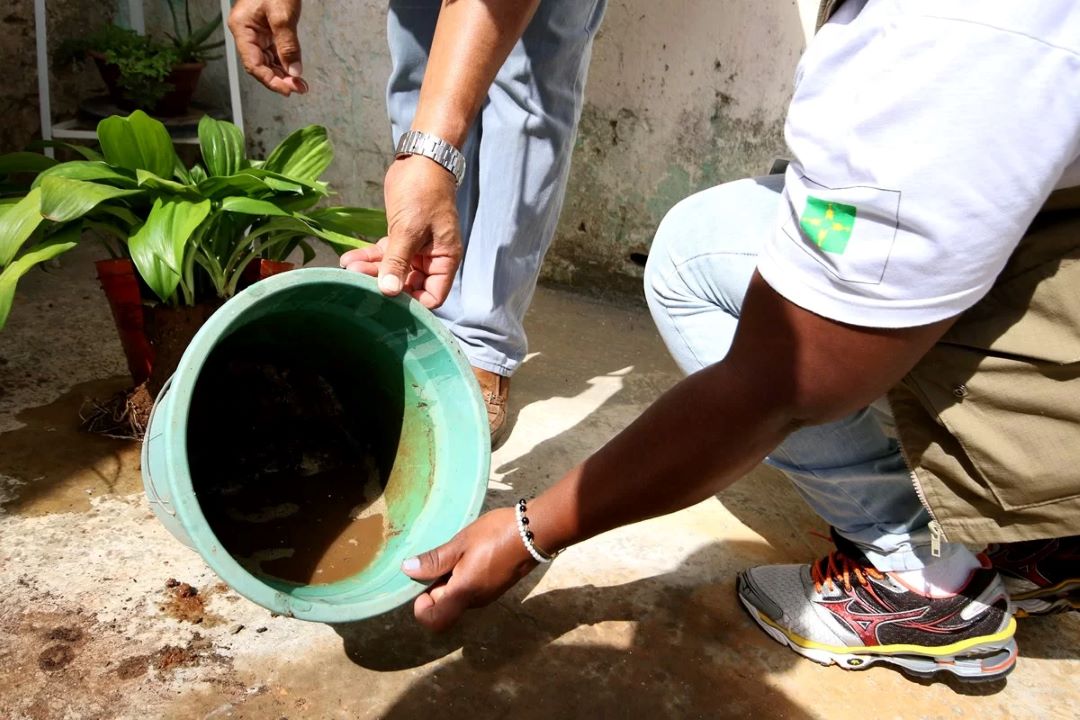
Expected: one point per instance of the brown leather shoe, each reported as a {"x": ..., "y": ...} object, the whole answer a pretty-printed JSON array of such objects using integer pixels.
[{"x": 495, "y": 389}]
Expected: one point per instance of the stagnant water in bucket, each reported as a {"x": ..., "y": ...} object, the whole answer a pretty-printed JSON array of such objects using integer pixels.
[{"x": 284, "y": 464}]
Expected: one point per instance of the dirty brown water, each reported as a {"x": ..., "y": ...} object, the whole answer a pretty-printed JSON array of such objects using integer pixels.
[
  {"x": 59, "y": 468},
  {"x": 307, "y": 530},
  {"x": 283, "y": 468}
]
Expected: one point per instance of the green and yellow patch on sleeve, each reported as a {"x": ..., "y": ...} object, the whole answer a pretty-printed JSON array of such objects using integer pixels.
[{"x": 828, "y": 224}]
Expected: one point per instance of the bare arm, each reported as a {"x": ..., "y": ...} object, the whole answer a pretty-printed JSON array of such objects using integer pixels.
[
  {"x": 422, "y": 251},
  {"x": 472, "y": 40},
  {"x": 787, "y": 368}
]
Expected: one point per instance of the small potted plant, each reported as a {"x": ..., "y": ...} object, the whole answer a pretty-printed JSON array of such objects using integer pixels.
[
  {"x": 146, "y": 73},
  {"x": 182, "y": 239}
]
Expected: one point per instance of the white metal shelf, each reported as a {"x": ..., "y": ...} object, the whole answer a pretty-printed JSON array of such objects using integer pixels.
[{"x": 74, "y": 129}]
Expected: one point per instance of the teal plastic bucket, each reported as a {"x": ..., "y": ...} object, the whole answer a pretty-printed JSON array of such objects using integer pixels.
[{"x": 418, "y": 393}]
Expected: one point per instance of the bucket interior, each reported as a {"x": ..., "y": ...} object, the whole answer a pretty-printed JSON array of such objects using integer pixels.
[{"x": 312, "y": 438}]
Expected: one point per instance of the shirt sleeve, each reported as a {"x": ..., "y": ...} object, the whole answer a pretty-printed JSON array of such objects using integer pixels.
[{"x": 923, "y": 146}]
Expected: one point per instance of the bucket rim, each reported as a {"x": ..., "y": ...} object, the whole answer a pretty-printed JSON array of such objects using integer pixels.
[{"x": 181, "y": 386}]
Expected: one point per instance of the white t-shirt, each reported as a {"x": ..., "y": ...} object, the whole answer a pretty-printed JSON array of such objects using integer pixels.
[{"x": 926, "y": 136}]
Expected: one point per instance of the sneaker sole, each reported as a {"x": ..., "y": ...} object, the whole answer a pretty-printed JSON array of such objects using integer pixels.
[
  {"x": 981, "y": 659},
  {"x": 1063, "y": 597}
]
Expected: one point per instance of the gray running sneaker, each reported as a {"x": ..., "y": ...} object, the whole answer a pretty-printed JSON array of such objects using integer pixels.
[{"x": 842, "y": 610}]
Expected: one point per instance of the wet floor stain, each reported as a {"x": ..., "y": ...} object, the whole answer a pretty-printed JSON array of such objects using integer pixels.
[{"x": 59, "y": 468}]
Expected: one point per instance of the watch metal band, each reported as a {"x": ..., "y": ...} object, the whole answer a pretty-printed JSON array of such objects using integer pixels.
[{"x": 416, "y": 142}]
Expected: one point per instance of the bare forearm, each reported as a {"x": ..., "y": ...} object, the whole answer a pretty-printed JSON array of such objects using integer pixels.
[
  {"x": 787, "y": 368},
  {"x": 472, "y": 40},
  {"x": 698, "y": 438}
]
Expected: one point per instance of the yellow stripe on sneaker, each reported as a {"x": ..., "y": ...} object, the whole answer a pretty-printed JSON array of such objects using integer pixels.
[{"x": 896, "y": 649}]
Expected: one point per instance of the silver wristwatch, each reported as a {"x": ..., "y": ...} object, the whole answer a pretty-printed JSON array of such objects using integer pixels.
[{"x": 416, "y": 142}]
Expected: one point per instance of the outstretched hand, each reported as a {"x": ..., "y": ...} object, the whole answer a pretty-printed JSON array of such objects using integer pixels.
[
  {"x": 475, "y": 568},
  {"x": 266, "y": 39},
  {"x": 422, "y": 252}
]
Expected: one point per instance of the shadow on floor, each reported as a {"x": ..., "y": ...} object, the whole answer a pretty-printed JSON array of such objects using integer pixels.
[{"x": 675, "y": 645}]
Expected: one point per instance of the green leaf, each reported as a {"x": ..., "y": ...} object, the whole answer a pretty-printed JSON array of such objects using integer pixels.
[
  {"x": 308, "y": 251},
  {"x": 280, "y": 183},
  {"x": 243, "y": 184},
  {"x": 159, "y": 184},
  {"x": 304, "y": 155},
  {"x": 352, "y": 220},
  {"x": 299, "y": 203},
  {"x": 59, "y": 243},
  {"x": 281, "y": 252},
  {"x": 222, "y": 145},
  {"x": 107, "y": 228},
  {"x": 24, "y": 162},
  {"x": 304, "y": 226},
  {"x": 203, "y": 34},
  {"x": 182, "y": 174},
  {"x": 86, "y": 152},
  {"x": 63, "y": 199},
  {"x": 197, "y": 174},
  {"x": 137, "y": 142},
  {"x": 158, "y": 248},
  {"x": 98, "y": 171},
  {"x": 251, "y": 206},
  {"x": 340, "y": 242},
  {"x": 122, "y": 213},
  {"x": 18, "y": 221}
]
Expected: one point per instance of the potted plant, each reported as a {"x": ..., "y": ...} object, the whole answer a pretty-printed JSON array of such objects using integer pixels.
[
  {"x": 143, "y": 72},
  {"x": 182, "y": 240}
]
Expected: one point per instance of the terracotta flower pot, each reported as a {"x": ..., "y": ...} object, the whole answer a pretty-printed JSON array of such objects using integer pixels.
[
  {"x": 121, "y": 287},
  {"x": 184, "y": 78},
  {"x": 120, "y": 283},
  {"x": 260, "y": 269},
  {"x": 170, "y": 329}
]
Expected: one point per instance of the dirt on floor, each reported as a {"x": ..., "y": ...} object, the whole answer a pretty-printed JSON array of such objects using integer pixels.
[
  {"x": 186, "y": 603},
  {"x": 60, "y": 659}
]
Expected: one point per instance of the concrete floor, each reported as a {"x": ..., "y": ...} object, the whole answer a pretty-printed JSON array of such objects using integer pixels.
[{"x": 641, "y": 622}]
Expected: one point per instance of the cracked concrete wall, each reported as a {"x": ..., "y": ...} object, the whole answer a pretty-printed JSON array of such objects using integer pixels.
[{"x": 681, "y": 97}]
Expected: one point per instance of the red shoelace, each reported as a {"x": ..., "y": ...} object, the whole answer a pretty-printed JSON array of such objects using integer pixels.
[{"x": 836, "y": 566}]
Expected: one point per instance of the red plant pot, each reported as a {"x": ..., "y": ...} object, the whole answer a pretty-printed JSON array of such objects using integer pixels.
[
  {"x": 261, "y": 269},
  {"x": 121, "y": 287},
  {"x": 120, "y": 282}
]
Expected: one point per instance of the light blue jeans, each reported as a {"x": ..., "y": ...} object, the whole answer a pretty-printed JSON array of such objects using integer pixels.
[
  {"x": 851, "y": 471},
  {"x": 518, "y": 159}
]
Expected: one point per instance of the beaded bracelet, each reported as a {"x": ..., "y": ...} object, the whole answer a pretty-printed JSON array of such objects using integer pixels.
[{"x": 527, "y": 537}]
